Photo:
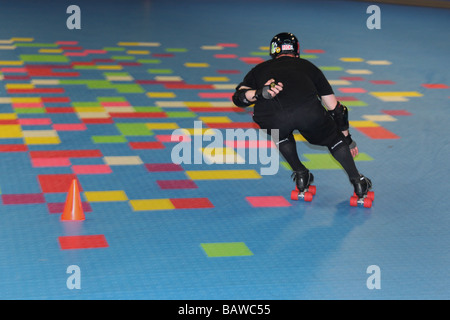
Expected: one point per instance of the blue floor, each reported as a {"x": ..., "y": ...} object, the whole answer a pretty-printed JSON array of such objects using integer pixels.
[{"x": 154, "y": 240}]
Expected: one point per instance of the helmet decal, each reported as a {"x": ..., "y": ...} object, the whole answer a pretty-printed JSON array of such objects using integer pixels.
[
  {"x": 287, "y": 47},
  {"x": 274, "y": 48}
]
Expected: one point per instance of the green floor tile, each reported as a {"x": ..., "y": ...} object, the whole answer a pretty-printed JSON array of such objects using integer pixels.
[
  {"x": 319, "y": 161},
  {"x": 134, "y": 129},
  {"x": 43, "y": 58},
  {"x": 330, "y": 68},
  {"x": 111, "y": 99},
  {"x": 180, "y": 114},
  {"x": 226, "y": 249},
  {"x": 109, "y": 139}
]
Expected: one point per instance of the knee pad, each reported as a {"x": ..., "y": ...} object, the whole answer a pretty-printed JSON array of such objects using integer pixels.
[{"x": 340, "y": 116}]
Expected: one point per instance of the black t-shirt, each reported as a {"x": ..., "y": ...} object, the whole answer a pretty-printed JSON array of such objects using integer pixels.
[{"x": 302, "y": 82}]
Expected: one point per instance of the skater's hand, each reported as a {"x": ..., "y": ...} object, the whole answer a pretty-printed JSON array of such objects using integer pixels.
[
  {"x": 269, "y": 90},
  {"x": 354, "y": 151},
  {"x": 274, "y": 88},
  {"x": 352, "y": 144}
]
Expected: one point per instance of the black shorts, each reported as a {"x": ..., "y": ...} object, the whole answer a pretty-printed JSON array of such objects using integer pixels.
[{"x": 313, "y": 122}]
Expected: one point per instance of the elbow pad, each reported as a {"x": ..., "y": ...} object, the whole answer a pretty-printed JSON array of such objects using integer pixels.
[
  {"x": 239, "y": 98},
  {"x": 340, "y": 116}
]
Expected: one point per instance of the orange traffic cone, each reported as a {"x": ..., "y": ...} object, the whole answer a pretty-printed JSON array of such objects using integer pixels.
[{"x": 73, "y": 209}]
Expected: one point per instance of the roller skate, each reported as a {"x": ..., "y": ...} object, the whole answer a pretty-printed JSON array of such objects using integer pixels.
[
  {"x": 303, "y": 188},
  {"x": 362, "y": 195}
]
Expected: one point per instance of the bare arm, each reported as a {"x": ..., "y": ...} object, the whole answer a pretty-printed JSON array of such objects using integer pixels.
[{"x": 329, "y": 101}]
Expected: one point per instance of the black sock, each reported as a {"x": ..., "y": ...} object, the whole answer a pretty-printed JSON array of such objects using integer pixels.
[
  {"x": 288, "y": 150},
  {"x": 341, "y": 152}
]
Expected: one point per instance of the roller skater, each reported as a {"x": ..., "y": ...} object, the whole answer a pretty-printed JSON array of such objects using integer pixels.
[{"x": 290, "y": 93}]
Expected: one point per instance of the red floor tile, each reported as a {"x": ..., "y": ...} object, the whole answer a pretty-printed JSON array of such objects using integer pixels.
[
  {"x": 192, "y": 203},
  {"x": 83, "y": 242}
]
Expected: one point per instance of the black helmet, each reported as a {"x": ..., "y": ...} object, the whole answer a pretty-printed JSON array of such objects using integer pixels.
[{"x": 284, "y": 42}]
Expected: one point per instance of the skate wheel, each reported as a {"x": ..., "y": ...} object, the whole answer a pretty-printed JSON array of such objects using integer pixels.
[
  {"x": 371, "y": 195},
  {"x": 367, "y": 203},
  {"x": 354, "y": 201},
  {"x": 294, "y": 194},
  {"x": 312, "y": 189},
  {"x": 308, "y": 196}
]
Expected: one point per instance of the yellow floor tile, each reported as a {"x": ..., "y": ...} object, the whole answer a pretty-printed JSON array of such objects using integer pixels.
[
  {"x": 299, "y": 137},
  {"x": 101, "y": 196},
  {"x": 215, "y": 119},
  {"x": 151, "y": 204},
  {"x": 17, "y": 39},
  {"x": 10, "y": 63},
  {"x": 25, "y": 100},
  {"x": 89, "y": 109},
  {"x": 10, "y": 131},
  {"x": 8, "y": 116},
  {"x": 162, "y": 125},
  {"x": 138, "y": 52},
  {"x": 196, "y": 65},
  {"x": 109, "y": 67},
  {"x": 351, "y": 59},
  {"x": 363, "y": 124},
  {"x": 216, "y": 79},
  {"x": 50, "y": 50},
  {"x": 42, "y": 140},
  {"x": 161, "y": 94},
  {"x": 19, "y": 86}
]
